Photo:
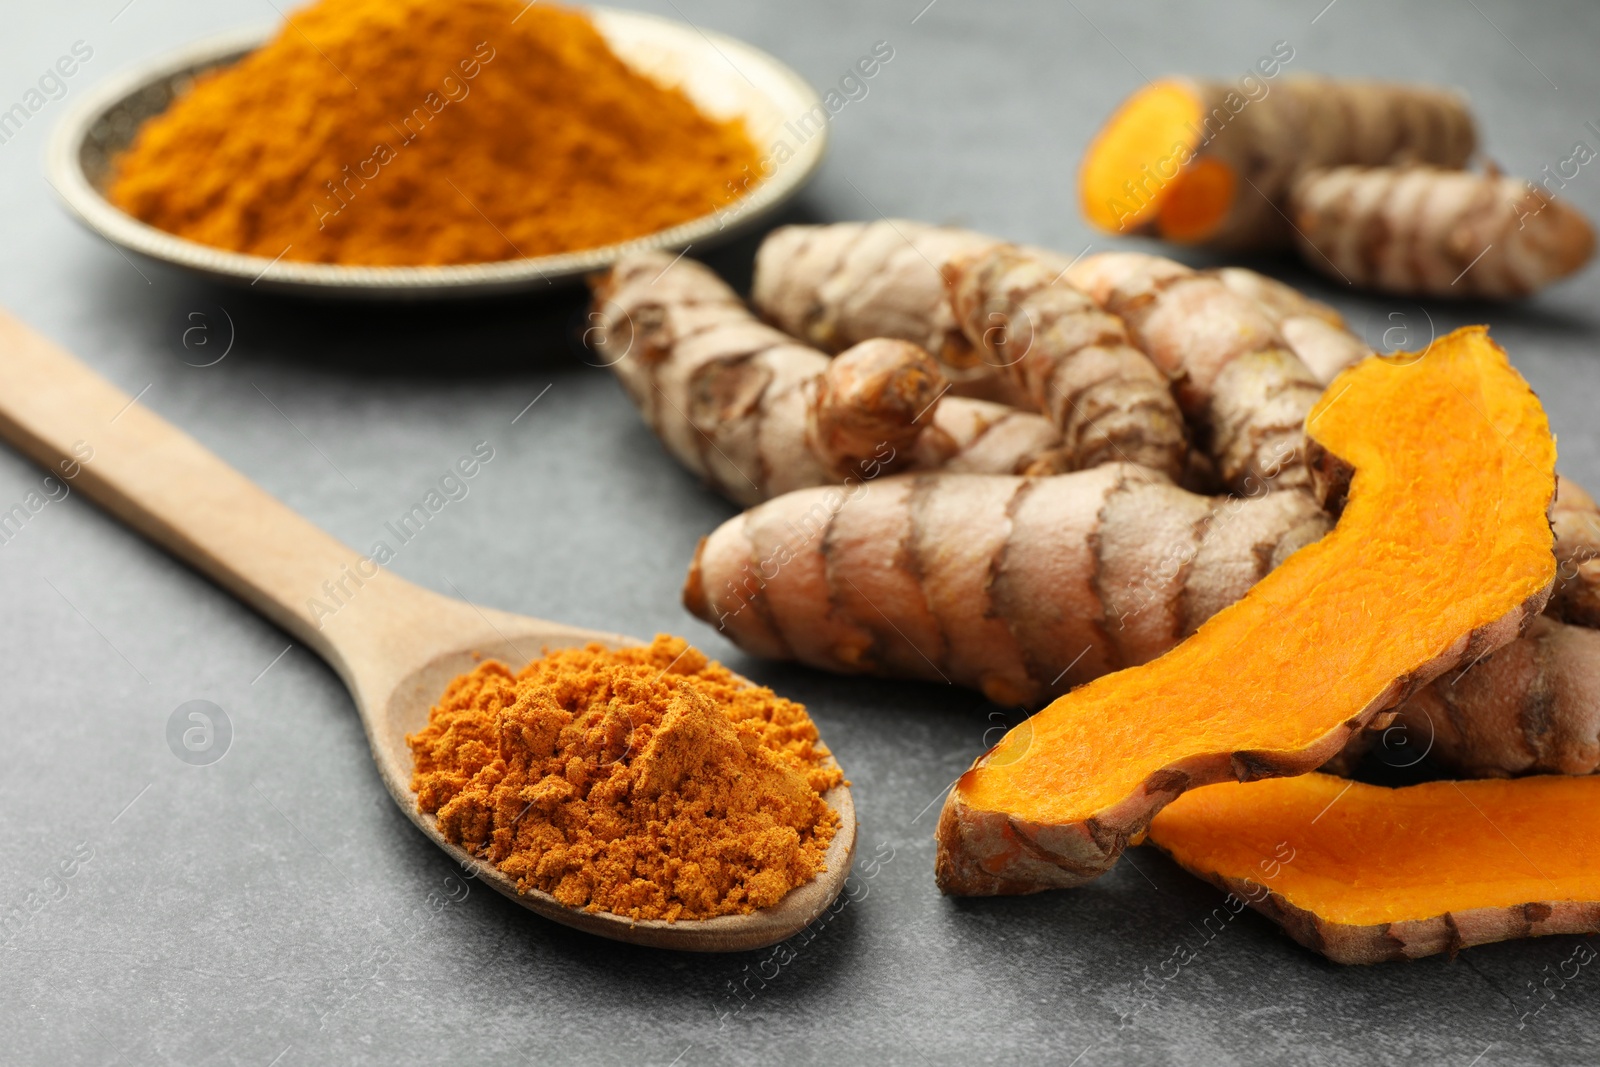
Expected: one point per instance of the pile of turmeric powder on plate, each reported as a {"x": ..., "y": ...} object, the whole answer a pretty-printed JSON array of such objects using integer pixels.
[
  {"x": 649, "y": 782},
  {"x": 389, "y": 132}
]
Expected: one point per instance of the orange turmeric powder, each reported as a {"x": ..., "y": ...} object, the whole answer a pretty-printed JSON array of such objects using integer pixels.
[
  {"x": 649, "y": 782},
  {"x": 407, "y": 132}
]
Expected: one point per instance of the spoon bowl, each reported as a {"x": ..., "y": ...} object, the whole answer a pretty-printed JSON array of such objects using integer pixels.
[
  {"x": 395, "y": 645},
  {"x": 515, "y": 641}
]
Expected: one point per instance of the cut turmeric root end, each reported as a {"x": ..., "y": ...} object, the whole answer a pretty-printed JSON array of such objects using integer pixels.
[
  {"x": 1197, "y": 201},
  {"x": 1141, "y": 170},
  {"x": 1442, "y": 552},
  {"x": 1363, "y": 874}
]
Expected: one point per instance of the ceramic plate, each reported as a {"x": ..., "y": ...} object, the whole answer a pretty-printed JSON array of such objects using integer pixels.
[{"x": 726, "y": 78}]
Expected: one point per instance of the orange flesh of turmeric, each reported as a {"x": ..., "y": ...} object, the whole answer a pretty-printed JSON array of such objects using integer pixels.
[
  {"x": 1365, "y": 855},
  {"x": 1440, "y": 536},
  {"x": 1134, "y": 162},
  {"x": 1197, "y": 201}
]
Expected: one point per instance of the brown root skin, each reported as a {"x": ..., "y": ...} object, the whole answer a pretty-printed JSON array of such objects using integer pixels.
[
  {"x": 968, "y": 436},
  {"x": 1413, "y": 939},
  {"x": 1426, "y": 231},
  {"x": 736, "y": 401},
  {"x": 834, "y": 286},
  {"x": 1199, "y": 162},
  {"x": 1314, "y": 331},
  {"x": 1364, "y": 178},
  {"x": 1532, "y": 707},
  {"x": 986, "y": 853},
  {"x": 1281, "y": 302},
  {"x": 1330, "y": 478},
  {"x": 868, "y": 405},
  {"x": 990, "y": 853},
  {"x": 1021, "y": 588},
  {"x": 1054, "y": 794},
  {"x": 1074, "y": 361},
  {"x": 999, "y": 318},
  {"x": 1235, "y": 375},
  {"x": 1345, "y": 762},
  {"x": 1576, "y": 520}
]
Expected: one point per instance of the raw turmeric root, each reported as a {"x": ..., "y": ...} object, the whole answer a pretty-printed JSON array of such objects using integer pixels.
[
  {"x": 857, "y": 581},
  {"x": 992, "y": 313},
  {"x": 1435, "y": 232},
  {"x": 1576, "y": 521},
  {"x": 1315, "y": 332},
  {"x": 1236, "y": 377},
  {"x": 1365, "y": 178},
  {"x": 1364, "y": 874},
  {"x": 756, "y": 413},
  {"x": 1199, "y": 162},
  {"x": 835, "y": 285},
  {"x": 1022, "y": 588},
  {"x": 1246, "y": 355},
  {"x": 1442, "y": 551},
  {"x": 1532, "y": 707}
]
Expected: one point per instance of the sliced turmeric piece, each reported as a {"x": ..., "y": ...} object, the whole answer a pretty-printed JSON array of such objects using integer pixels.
[
  {"x": 1363, "y": 874},
  {"x": 1441, "y": 553},
  {"x": 1125, "y": 173}
]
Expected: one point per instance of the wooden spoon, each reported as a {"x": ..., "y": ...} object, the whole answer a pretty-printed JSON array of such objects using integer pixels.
[{"x": 395, "y": 645}]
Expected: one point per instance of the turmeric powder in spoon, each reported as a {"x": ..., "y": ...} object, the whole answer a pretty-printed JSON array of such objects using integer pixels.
[{"x": 648, "y": 782}]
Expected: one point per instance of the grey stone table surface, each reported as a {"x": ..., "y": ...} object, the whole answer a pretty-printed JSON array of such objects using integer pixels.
[{"x": 274, "y": 907}]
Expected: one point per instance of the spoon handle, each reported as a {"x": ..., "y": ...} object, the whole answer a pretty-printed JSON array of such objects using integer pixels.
[{"x": 93, "y": 437}]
